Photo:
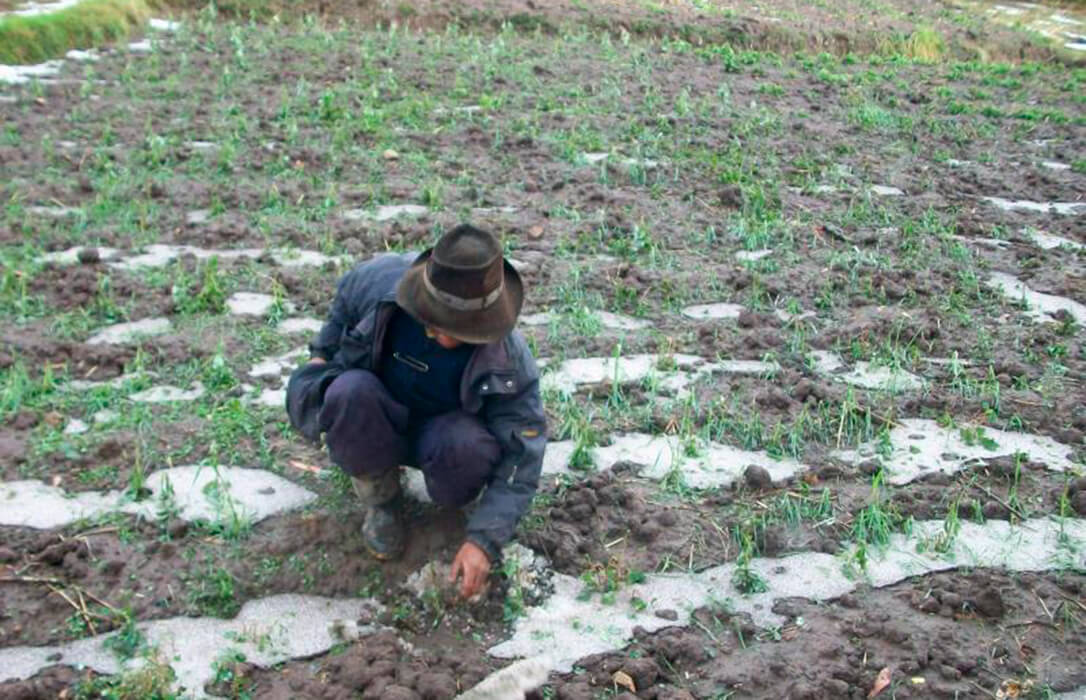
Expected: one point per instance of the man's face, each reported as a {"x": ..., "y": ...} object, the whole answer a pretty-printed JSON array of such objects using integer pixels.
[{"x": 446, "y": 341}]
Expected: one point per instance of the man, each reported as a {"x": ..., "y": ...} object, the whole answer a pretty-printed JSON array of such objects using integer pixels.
[{"x": 419, "y": 364}]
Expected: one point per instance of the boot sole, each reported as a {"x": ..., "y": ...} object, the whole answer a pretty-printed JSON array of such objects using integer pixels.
[{"x": 387, "y": 556}]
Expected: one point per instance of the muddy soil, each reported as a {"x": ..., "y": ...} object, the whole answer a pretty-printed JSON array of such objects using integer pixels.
[{"x": 941, "y": 636}]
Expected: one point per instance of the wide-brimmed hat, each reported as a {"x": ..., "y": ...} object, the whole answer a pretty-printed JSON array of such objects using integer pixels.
[{"x": 463, "y": 287}]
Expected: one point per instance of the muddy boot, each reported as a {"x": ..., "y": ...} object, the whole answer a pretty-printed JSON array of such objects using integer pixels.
[{"x": 383, "y": 528}]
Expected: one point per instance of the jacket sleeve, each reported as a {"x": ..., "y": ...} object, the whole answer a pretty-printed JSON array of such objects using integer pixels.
[
  {"x": 326, "y": 344},
  {"x": 519, "y": 424}
]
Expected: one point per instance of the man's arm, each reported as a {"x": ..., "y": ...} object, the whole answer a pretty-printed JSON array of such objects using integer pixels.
[
  {"x": 519, "y": 424},
  {"x": 326, "y": 344}
]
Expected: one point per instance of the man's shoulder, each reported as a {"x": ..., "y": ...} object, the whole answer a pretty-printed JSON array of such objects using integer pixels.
[
  {"x": 516, "y": 348},
  {"x": 383, "y": 262},
  {"x": 376, "y": 276}
]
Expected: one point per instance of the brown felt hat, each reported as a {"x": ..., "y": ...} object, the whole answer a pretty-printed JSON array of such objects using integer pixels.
[{"x": 463, "y": 287}]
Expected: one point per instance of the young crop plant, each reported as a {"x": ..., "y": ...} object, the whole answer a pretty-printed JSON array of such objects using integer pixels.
[{"x": 745, "y": 579}]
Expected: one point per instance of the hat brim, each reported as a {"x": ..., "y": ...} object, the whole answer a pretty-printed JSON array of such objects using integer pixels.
[{"x": 480, "y": 326}]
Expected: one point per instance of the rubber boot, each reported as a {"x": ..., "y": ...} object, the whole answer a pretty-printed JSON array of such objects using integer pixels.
[{"x": 383, "y": 527}]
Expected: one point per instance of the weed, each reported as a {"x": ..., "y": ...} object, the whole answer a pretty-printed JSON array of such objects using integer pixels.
[{"x": 213, "y": 592}]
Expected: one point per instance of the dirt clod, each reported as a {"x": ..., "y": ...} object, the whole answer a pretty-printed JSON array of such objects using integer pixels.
[{"x": 757, "y": 477}]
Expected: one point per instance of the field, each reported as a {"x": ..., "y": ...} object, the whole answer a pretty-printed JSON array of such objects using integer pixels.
[{"x": 811, "y": 327}]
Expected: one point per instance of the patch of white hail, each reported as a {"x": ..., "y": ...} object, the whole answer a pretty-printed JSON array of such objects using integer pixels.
[
  {"x": 164, "y": 25},
  {"x": 570, "y": 626},
  {"x": 120, "y": 333},
  {"x": 54, "y": 212},
  {"x": 89, "y": 56},
  {"x": 267, "y": 631},
  {"x": 160, "y": 255},
  {"x": 670, "y": 373},
  {"x": 166, "y": 394},
  {"x": 1039, "y": 306},
  {"x": 886, "y": 191},
  {"x": 196, "y": 492},
  {"x": 254, "y": 304},
  {"x": 292, "y": 326},
  {"x": 865, "y": 374},
  {"x": 386, "y": 212},
  {"x": 43, "y": 8},
  {"x": 279, "y": 366},
  {"x": 1049, "y": 242},
  {"x": 70, "y": 256},
  {"x": 753, "y": 255},
  {"x": 707, "y": 312},
  {"x": 1061, "y": 208},
  {"x": 918, "y": 447},
  {"x": 700, "y": 464},
  {"x": 197, "y": 217},
  {"x": 18, "y": 75},
  {"x": 606, "y": 319}
]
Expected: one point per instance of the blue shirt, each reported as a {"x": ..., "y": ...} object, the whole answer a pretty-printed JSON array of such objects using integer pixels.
[{"x": 418, "y": 372}]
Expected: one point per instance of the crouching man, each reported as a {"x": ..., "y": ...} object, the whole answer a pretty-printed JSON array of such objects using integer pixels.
[{"x": 419, "y": 365}]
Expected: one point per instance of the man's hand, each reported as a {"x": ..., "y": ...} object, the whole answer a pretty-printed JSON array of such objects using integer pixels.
[
  {"x": 317, "y": 361},
  {"x": 473, "y": 566}
]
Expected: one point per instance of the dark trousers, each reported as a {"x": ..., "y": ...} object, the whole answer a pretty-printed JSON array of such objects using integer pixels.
[{"x": 368, "y": 432}]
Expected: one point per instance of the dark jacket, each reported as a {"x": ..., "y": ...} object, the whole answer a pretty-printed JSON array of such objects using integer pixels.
[{"x": 500, "y": 385}]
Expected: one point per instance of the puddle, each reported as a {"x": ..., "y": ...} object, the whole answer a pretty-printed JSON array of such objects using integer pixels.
[
  {"x": 606, "y": 318},
  {"x": 254, "y": 304},
  {"x": 292, "y": 326},
  {"x": 919, "y": 447},
  {"x": 670, "y": 373},
  {"x": 865, "y": 374},
  {"x": 143, "y": 46},
  {"x": 1061, "y": 208},
  {"x": 167, "y": 394},
  {"x": 1053, "y": 165},
  {"x": 569, "y": 626},
  {"x": 1040, "y": 306},
  {"x": 131, "y": 332},
  {"x": 386, "y": 213},
  {"x": 702, "y": 465},
  {"x": 885, "y": 191},
  {"x": 267, "y": 631},
  {"x": 199, "y": 493},
  {"x": 713, "y": 312}
]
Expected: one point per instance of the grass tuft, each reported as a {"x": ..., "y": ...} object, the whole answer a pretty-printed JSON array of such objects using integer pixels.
[
  {"x": 36, "y": 38},
  {"x": 925, "y": 45}
]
